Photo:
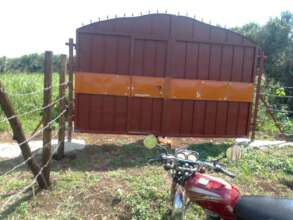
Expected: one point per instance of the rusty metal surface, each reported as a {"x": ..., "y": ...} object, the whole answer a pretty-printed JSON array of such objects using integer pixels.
[
  {"x": 159, "y": 87},
  {"x": 167, "y": 46}
]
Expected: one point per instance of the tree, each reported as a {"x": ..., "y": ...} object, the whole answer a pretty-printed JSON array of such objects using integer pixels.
[
  {"x": 275, "y": 39},
  {"x": 2, "y": 64},
  {"x": 29, "y": 63}
]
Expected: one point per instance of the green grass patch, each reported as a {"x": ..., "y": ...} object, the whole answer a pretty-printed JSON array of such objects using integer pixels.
[{"x": 22, "y": 83}]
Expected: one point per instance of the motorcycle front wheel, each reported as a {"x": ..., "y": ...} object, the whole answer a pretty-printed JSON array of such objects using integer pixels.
[
  {"x": 180, "y": 205},
  {"x": 179, "y": 202}
]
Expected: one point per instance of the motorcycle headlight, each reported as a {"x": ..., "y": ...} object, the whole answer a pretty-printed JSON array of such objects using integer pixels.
[
  {"x": 187, "y": 155},
  {"x": 192, "y": 157},
  {"x": 181, "y": 155}
]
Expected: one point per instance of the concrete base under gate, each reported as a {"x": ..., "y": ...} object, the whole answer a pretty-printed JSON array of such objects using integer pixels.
[{"x": 12, "y": 150}]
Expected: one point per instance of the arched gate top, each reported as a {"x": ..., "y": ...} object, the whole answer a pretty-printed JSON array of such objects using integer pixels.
[{"x": 166, "y": 26}]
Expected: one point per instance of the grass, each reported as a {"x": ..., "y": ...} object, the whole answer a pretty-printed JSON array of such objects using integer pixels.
[
  {"x": 26, "y": 83},
  {"x": 113, "y": 181}
]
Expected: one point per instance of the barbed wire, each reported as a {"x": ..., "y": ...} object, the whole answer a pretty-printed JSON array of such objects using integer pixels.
[
  {"x": 277, "y": 96},
  {"x": 43, "y": 128},
  {"x": 278, "y": 87},
  {"x": 28, "y": 140},
  {"x": 37, "y": 91},
  {"x": 280, "y": 110},
  {"x": 16, "y": 195},
  {"x": 25, "y": 161},
  {"x": 279, "y": 132},
  {"x": 32, "y": 111},
  {"x": 20, "y": 164}
]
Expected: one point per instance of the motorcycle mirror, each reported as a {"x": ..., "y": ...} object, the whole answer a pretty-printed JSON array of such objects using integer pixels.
[
  {"x": 150, "y": 141},
  {"x": 234, "y": 152}
]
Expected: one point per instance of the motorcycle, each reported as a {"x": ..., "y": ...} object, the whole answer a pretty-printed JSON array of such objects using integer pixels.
[{"x": 219, "y": 199}]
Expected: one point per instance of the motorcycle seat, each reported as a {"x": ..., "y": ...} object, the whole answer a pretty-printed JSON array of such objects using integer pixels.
[{"x": 263, "y": 208}]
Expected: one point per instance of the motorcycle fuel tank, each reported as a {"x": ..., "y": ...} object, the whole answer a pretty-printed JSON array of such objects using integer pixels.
[{"x": 212, "y": 193}]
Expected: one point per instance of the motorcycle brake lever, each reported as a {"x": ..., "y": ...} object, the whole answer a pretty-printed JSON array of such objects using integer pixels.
[{"x": 219, "y": 168}]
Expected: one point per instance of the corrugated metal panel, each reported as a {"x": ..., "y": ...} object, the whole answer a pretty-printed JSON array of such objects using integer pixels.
[{"x": 163, "y": 46}]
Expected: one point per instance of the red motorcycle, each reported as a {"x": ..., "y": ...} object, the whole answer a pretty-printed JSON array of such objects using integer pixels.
[{"x": 219, "y": 199}]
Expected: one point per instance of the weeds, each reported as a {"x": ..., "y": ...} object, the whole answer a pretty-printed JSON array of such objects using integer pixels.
[{"x": 26, "y": 83}]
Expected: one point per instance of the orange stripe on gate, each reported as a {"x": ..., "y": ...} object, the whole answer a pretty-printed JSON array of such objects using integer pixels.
[{"x": 158, "y": 87}]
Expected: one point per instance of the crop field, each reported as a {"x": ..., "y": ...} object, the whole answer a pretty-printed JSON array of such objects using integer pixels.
[
  {"x": 110, "y": 178},
  {"x": 25, "y": 93}
]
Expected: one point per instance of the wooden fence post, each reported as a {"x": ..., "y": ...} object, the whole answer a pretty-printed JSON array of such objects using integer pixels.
[
  {"x": 62, "y": 87},
  {"x": 70, "y": 89},
  {"x": 47, "y": 115},
  {"x": 19, "y": 136},
  {"x": 268, "y": 110},
  {"x": 257, "y": 96}
]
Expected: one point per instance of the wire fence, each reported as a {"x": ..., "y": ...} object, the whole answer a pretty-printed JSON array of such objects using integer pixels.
[
  {"x": 279, "y": 112},
  {"x": 28, "y": 98},
  {"x": 28, "y": 140},
  {"x": 37, "y": 91},
  {"x": 276, "y": 96},
  {"x": 34, "y": 154},
  {"x": 33, "y": 182},
  {"x": 278, "y": 87},
  {"x": 32, "y": 111}
]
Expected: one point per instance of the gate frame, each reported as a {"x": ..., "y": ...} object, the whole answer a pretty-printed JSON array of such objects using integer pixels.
[{"x": 258, "y": 69}]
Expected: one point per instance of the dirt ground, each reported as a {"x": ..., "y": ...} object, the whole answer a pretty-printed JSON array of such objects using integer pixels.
[{"x": 110, "y": 179}]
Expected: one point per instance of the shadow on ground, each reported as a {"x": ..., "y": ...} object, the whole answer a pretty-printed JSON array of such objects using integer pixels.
[
  {"x": 111, "y": 157},
  {"x": 207, "y": 150},
  {"x": 95, "y": 157},
  {"x": 108, "y": 157}
]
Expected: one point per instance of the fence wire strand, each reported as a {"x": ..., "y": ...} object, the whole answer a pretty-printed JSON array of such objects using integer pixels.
[
  {"x": 276, "y": 96},
  {"x": 25, "y": 161},
  {"x": 42, "y": 129},
  {"x": 19, "y": 165},
  {"x": 34, "y": 181},
  {"x": 32, "y": 111},
  {"x": 278, "y": 87},
  {"x": 27, "y": 141},
  {"x": 280, "y": 110},
  {"x": 37, "y": 91}
]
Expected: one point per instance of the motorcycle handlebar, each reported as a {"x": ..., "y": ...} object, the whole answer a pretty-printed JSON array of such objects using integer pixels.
[
  {"x": 156, "y": 159},
  {"x": 214, "y": 166},
  {"x": 224, "y": 171},
  {"x": 228, "y": 173}
]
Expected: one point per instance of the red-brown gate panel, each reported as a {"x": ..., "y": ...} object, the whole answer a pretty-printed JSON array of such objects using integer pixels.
[{"x": 168, "y": 47}]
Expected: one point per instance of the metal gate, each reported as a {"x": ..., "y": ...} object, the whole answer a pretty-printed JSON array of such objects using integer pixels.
[{"x": 163, "y": 74}]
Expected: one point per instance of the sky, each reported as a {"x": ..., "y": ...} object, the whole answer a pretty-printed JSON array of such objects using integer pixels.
[{"x": 33, "y": 26}]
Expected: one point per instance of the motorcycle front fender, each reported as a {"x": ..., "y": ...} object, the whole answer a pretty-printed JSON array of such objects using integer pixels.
[{"x": 178, "y": 202}]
